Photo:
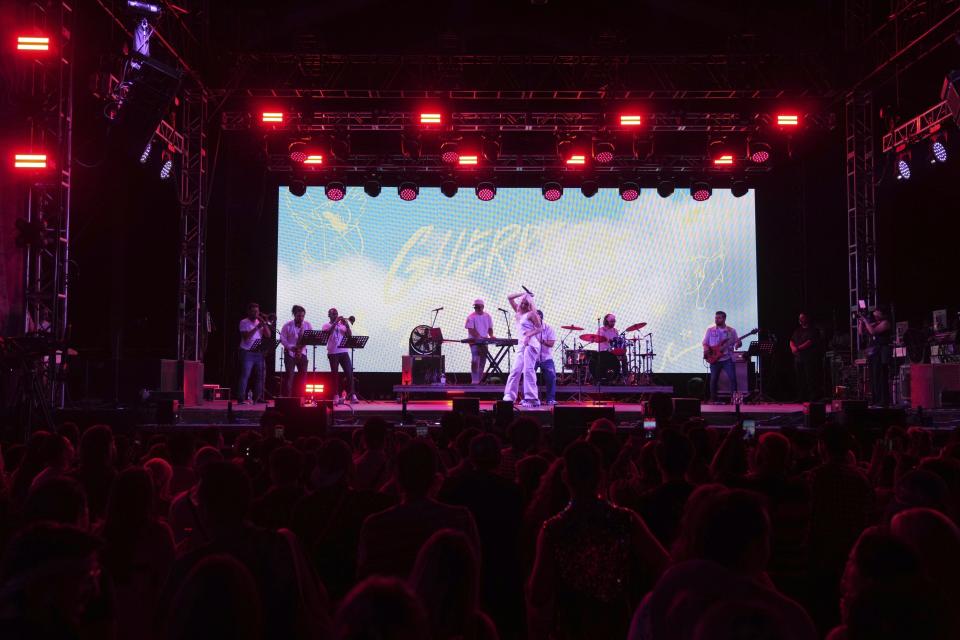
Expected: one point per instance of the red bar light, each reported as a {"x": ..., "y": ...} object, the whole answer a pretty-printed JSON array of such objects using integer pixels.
[
  {"x": 577, "y": 159},
  {"x": 467, "y": 160},
  {"x": 33, "y": 43},
  {"x": 630, "y": 120},
  {"x": 272, "y": 117},
  {"x": 314, "y": 159},
  {"x": 30, "y": 161},
  {"x": 725, "y": 159},
  {"x": 430, "y": 118},
  {"x": 314, "y": 389},
  {"x": 787, "y": 120}
]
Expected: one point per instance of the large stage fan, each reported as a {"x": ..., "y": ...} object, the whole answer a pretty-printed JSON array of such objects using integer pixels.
[{"x": 422, "y": 343}]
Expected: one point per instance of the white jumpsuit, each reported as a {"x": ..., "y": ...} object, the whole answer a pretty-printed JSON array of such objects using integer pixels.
[{"x": 525, "y": 364}]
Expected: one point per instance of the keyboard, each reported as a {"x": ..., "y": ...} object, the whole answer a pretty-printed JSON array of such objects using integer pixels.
[{"x": 497, "y": 342}]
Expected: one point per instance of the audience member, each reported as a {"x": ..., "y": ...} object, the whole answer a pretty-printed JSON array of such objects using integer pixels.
[
  {"x": 181, "y": 445},
  {"x": 96, "y": 471},
  {"x": 372, "y": 467},
  {"x": 160, "y": 474},
  {"x": 184, "y": 515},
  {"x": 523, "y": 434},
  {"x": 662, "y": 506},
  {"x": 274, "y": 509},
  {"x": 381, "y": 608}
]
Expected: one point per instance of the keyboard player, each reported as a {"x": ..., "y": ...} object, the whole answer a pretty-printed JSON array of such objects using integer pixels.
[{"x": 479, "y": 325}]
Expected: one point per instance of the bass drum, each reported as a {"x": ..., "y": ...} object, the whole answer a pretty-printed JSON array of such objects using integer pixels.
[{"x": 605, "y": 367}]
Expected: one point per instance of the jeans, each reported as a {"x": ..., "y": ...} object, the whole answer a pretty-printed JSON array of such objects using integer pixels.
[
  {"x": 879, "y": 362},
  {"x": 478, "y": 361},
  {"x": 342, "y": 359},
  {"x": 728, "y": 368},
  {"x": 295, "y": 370},
  {"x": 251, "y": 362},
  {"x": 549, "y": 370}
]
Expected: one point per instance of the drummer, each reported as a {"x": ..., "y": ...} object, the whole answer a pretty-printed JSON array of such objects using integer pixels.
[{"x": 608, "y": 330}]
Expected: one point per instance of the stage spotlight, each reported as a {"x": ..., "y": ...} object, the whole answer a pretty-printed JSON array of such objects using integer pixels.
[
  {"x": 739, "y": 188},
  {"x": 410, "y": 147},
  {"x": 552, "y": 191},
  {"x": 340, "y": 148},
  {"x": 335, "y": 191},
  {"x": 665, "y": 188},
  {"x": 938, "y": 150},
  {"x": 719, "y": 153},
  {"x": 146, "y": 152},
  {"x": 408, "y": 191},
  {"x": 298, "y": 152},
  {"x": 490, "y": 149},
  {"x": 313, "y": 159},
  {"x": 372, "y": 188},
  {"x": 167, "y": 167},
  {"x": 903, "y": 166},
  {"x": 297, "y": 187},
  {"x": 603, "y": 151},
  {"x": 33, "y": 43},
  {"x": 30, "y": 160},
  {"x": 629, "y": 191},
  {"x": 449, "y": 187},
  {"x": 486, "y": 191},
  {"x": 759, "y": 152},
  {"x": 701, "y": 191},
  {"x": 577, "y": 159},
  {"x": 450, "y": 152},
  {"x": 589, "y": 188}
]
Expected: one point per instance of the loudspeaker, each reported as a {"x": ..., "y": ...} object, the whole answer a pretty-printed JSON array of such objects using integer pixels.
[
  {"x": 686, "y": 407},
  {"x": 950, "y": 92},
  {"x": 660, "y": 406},
  {"x": 287, "y": 406},
  {"x": 569, "y": 423},
  {"x": 502, "y": 415},
  {"x": 421, "y": 369},
  {"x": 302, "y": 421},
  {"x": 815, "y": 415},
  {"x": 743, "y": 367},
  {"x": 467, "y": 406},
  {"x": 929, "y": 381}
]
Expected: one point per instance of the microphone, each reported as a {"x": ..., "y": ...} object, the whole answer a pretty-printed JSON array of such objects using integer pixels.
[
  {"x": 527, "y": 290},
  {"x": 437, "y": 309},
  {"x": 501, "y": 309}
]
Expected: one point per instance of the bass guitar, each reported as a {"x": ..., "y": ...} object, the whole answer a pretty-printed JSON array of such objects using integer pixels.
[{"x": 713, "y": 354}]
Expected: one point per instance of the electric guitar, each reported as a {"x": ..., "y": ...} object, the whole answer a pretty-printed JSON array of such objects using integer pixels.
[{"x": 713, "y": 354}]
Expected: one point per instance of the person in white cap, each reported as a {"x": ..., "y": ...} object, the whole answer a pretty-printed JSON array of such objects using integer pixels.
[{"x": 479, "y": 325}]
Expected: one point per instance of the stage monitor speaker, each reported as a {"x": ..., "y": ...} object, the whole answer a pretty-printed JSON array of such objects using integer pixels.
[
  {"x": 815, "y": 415},
  {"x": 318, "y": 385},
  {"x": 569, "y": 423},
  {"x": 743, "y": 367},
  {"x": 660, "y": 406},
  {"x": 502, "y": 415},
  {"x": 300, "y": 421},
  {"x": 287, "y": 406},
  {"x": 421, "y": 369},
  {"x": 686, "y": 407},
  {"x": 467, "y": 406}
]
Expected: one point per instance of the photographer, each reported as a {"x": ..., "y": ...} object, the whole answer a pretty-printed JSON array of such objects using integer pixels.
[{"x": 879, "y": 353}]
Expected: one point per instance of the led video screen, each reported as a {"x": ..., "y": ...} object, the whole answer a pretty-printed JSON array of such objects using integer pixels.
[{"x": 669, "y": 262}]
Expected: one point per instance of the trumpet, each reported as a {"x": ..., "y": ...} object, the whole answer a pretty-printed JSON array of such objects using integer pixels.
[{"x": 352, "y": 319}]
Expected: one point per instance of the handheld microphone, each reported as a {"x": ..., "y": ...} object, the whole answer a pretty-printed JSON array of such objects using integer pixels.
[
  {"x": 527, "y": 290},
  {"x": 437, "y": 309}
]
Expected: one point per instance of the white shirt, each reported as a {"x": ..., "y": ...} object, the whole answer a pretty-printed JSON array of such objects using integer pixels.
[
  {"x": 609, "y": 333},
  {"x": 290, "y": 335},
  {"x": 482, "y": 323},
  {"x": 246, "y": 325},
  {"x": 546, "y": 353},
  {"x": 715, "y": 336},
  {"x": 525, "y": 325},
  {"x": 336, "y": 337}
]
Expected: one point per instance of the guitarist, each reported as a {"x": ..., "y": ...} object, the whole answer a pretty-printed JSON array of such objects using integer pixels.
[{"x": 718, "y": 346}]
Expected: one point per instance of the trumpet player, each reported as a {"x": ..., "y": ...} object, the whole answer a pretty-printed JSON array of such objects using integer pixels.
[
  {"x": 294, "y": 356},
  {"x": 253, "y": 329},
  {"x": 339, "y": 329}
]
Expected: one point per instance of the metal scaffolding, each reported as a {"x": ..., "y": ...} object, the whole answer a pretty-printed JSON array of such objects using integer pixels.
[
  {"x": 193, "y": 213},
  {"x": 861, "y": 207},
  {"x": 46, "y": 290}
]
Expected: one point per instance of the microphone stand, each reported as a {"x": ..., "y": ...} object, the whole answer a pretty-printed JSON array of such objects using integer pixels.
[
  {"x": 436, "y": 312},
  {"x": 506, "y": 319}
]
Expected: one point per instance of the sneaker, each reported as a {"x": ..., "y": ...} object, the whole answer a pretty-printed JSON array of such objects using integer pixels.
[
  {"x": 551, "y": 402},
  {"x": 338, "y": 401},
  {"x": 529, "y": 405}
]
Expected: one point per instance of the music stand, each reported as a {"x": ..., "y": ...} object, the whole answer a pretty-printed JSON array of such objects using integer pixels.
[
  {"x": 759, "y": 348},
  {"x": 313, "y": 338},
  {"x": 354, "y": 342}
]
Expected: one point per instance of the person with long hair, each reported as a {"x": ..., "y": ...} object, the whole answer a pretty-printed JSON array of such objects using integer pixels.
[
  {"x": 446, "y": 576},
  {"x": 529, "y": 327}
]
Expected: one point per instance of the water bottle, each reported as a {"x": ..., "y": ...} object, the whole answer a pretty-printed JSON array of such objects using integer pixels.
[{"x": 443, "y": 378}]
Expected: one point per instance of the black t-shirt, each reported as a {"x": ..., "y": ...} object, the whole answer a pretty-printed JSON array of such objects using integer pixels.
[{"x": 801, "y": 335}]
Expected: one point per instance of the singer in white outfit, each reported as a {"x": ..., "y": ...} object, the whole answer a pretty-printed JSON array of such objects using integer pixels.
[{"x": 529, "y": 327}]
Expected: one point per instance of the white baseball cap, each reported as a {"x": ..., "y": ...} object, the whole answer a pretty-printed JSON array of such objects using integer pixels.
[{"x": 479, "y": 302}]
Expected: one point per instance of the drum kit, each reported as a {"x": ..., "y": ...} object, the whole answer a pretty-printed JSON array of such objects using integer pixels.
[{"x": 628, "y": 361}]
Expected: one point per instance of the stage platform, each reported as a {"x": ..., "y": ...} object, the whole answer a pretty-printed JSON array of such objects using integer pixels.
[
  {"x": 496, "y": 390},
  {"x": 430, "y": 411}
]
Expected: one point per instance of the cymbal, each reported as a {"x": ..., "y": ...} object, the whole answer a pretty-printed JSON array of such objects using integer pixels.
[
  {"x": 593, "y": 337},
  {"x": 636, "y": 327},
  {"x": 571, "y": 327}
]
